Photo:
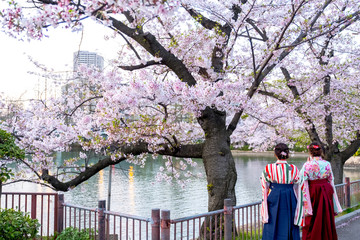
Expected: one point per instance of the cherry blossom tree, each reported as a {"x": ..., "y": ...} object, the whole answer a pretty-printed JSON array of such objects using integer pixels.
[
  {"x": 319, "y": 100},
  {"x": 186, "y": 75}
]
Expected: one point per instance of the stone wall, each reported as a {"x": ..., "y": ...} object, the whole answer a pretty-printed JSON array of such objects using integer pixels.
[{"x": 353, "y": 162}]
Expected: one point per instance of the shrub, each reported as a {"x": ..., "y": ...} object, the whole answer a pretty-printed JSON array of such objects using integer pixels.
[
  {"x": 15, "y": 225},
  {"x": 71, "y": 233}
]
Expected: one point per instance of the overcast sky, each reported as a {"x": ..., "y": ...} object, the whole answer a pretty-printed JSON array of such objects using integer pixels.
[{"x": 55, "y": 51}]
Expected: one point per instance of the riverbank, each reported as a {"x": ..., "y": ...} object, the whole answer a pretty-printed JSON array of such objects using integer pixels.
[
  {"x": 267, "y": 153},
  {"x": 351, "y": 163}
]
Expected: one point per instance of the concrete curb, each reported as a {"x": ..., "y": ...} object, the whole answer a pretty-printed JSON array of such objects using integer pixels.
[{"x": 346, "y": 217}]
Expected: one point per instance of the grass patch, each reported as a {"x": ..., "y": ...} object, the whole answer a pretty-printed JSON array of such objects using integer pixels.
[
  {"x": 248, "y": 236},
  {"x": 349, "y": 210}
]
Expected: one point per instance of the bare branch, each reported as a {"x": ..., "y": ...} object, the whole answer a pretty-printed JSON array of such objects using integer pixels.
[{"x": 140, "y": 66}]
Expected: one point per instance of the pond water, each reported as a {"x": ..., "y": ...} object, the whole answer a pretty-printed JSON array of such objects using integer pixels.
[{"x": 135, "y": 191}]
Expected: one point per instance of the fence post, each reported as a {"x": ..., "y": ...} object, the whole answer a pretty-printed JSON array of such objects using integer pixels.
[
  {"x": 347, "y": 192},
  {"x": 33, "y": 205},
  {"x": 155, "y": 224},
  {"x": 101, "y": 219},
  {"x": 60, "y": 213},
  {"x": 227, "y": 219},
  {"x": 165, "y": 225}
]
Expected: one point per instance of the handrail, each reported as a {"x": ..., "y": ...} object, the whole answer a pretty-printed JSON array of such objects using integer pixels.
[
  {"x": 128, "y": 216},
  {"x": 197, "y": 216}
]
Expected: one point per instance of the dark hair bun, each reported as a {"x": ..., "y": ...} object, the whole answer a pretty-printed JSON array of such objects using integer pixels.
[
  {"x": 315, "y": 149},
  {"x": 281, "y": 151}
]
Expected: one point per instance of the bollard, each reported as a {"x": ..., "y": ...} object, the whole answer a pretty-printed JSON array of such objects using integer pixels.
[
  {"x": 165, "y": 225},
  {"x": 227, "y": 219},
  {"x": 101, "y": 219},
  {"x": 155, "y": 225},
  {"x": 347, "y": 192},
  {"x": 60, "y": 213}
]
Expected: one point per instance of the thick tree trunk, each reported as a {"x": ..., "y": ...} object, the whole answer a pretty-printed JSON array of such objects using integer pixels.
[
  {"x": 218, "y": 161},
  {"x": 219, "y": 166},
  {"x": 337, "y": 165}
]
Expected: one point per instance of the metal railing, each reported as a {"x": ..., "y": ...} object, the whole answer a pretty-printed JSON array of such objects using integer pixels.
[
  {"x": 104, "y": 224},
  {"x": 240, "y": 222},
  {"x": 41, "y": 206},
  {"x": 354, "y": 194},
  {"x": 247, "y": 221}
]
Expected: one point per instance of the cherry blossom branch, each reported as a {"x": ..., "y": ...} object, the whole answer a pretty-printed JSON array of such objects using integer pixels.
[
  {"x": 310, "y": 126},
  {"x": 166, "y": 114},
  {"x": 150, "y": 44},
  {"x": 263, "y": 72},
  {"x": 293, "y": 88},
  {"x": 318, "y": 14},
  {"x": 353, "y": 147},
  {"x": 217, "y": 59},
  {"x": 273, "y": 95},
  {"x": 184, "y": 151},
  {"x": 31, "y": 181},
  {"x": 262, "y": 34},
  {"x": 252, "y": 52},
  {"x": 204, "y": 21},
  {"x": 236, "y": 35},
  {"x": 349, "y": 21},
  {"x": 264, "y": 122},
  {"x": 140, "y": 66},
  {"x": 128, "y": 43},
  {"x": 82, "y": 103}
]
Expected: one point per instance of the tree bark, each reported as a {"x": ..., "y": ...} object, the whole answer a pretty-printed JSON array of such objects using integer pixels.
[
  {"x": 219, "y": 167},
  {"x": 337, "y": 166},
  {"x": 218, "y": 160}
]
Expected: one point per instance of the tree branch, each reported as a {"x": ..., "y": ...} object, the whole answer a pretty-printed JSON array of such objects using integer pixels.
[
  {"x": 293, "y": 88},
  {"x": 152, "y": 46},
  {"x": 310, "y": 127},
  {"x": 78, "y": 106},
  {"x": 140, "y": 66},
  {"x": 262, "y": 34},
  {"x": 184, "y": 151},
  {"x": 351, "y": 149}
]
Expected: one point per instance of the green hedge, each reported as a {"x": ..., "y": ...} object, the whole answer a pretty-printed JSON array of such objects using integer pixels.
[{"x": 16, "y": 225}]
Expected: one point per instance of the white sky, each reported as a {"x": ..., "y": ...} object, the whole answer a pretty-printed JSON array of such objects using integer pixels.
[{"x": 55, "y": 51}]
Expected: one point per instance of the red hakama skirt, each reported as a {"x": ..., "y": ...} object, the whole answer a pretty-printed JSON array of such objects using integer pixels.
[{"x": 321, "y": 225}]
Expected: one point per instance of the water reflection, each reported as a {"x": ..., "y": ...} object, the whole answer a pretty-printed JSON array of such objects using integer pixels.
[
  {"x": 131, "y": 189},
  {"x": 101, "y": 185},
  {"x": 135, "y": 191}
]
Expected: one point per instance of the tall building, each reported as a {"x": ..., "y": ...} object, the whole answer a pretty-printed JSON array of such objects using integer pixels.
[{"x": 88, "y": 58}]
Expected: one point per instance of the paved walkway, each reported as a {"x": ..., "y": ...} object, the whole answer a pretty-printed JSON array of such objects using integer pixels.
[{"x": 348, "y": 226}]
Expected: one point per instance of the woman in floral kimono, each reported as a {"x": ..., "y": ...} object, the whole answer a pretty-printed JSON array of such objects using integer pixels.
[
  {"x": 321, "y": 203},
  {"x": 279, "y": 200}
]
